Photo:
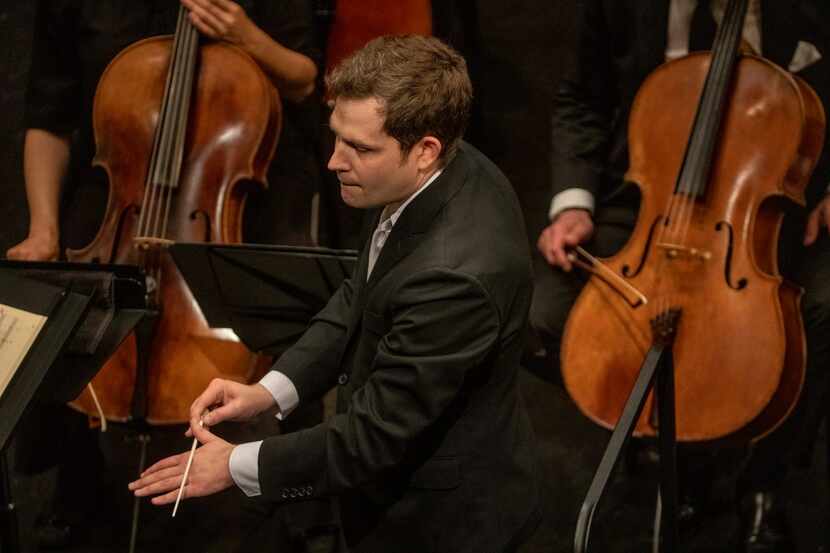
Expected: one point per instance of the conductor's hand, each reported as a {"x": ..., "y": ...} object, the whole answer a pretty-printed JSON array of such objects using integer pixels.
[
  {"x": 221, "y": 20},
  {"x": 228, "y": 400},
  {"x": 35, "y": 248},
  {"x": 209, "y": 472},
  {"x": 819, "y": 217},
  {"x": 570, "y": 228}
]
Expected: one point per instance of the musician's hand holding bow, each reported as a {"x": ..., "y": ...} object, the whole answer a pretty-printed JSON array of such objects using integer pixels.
[{"x": 570, "y": 228}]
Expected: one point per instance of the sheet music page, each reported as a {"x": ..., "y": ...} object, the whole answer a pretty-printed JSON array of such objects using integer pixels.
[{"x": 18, "y": 330}]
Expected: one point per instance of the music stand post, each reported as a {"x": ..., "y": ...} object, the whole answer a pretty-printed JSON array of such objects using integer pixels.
[{"x": 658, "y": 363}]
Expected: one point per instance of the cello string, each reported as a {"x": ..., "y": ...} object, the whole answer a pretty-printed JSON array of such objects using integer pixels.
[
  {"x": 697, "y": 167},
  {"x": 170, "y": 126},
  {"x": 147, "y": 261},
  {"x": 190, "y": 50},
  {"x": 177, "y": 131},
  {"x": 714, "y": 95},
  {"x": 144, "y": 218},
  {"x": 700, "y": 150},
  {"x": 162, "y": 173},
  {"x": 154, "y": 175},
  {"x": 715, "y": 102},
  {"x": 171, "y": 136}
]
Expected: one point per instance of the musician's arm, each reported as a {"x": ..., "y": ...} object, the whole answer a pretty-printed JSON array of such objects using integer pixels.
[
  {"x": 51, "y": 115},
  {"x": 292, "y": 72},
  {"x": 45, "y": 164},
  {"x": 582, "y": 115}
]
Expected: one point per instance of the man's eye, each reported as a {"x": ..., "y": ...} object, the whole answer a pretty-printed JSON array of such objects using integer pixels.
[{"x": 361, "y": 149}]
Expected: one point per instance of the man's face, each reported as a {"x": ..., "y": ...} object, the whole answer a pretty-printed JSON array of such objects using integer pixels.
[{"x": 368, "y": 162}]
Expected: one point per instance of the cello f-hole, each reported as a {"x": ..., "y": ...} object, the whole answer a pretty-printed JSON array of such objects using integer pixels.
[
  {"x": 626, "y": 269},
  {"x": 205, "y": 217},
  {"x": 727, "y": 268}
]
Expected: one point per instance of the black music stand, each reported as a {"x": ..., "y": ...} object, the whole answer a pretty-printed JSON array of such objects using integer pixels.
[
  {"x": 89, "y": 310},
  {"x": 658, "y": 366},
  {"x": 266, "y": 294}
]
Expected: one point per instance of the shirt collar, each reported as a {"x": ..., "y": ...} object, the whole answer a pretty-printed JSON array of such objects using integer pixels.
[{"x": 390, "y": 221}]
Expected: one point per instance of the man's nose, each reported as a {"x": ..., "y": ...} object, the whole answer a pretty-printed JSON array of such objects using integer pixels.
[{"x": 337, "y": 162}]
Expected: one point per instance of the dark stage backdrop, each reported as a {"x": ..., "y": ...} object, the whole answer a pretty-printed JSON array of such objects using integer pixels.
[{"x": 16, "y": 20}]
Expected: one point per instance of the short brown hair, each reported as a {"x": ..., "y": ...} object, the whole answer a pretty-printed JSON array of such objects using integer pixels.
[{"x": 422, "y": 83}]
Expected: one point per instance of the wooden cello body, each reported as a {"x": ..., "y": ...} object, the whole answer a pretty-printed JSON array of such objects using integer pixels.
[
  {"x": 705, "y": 245},
  {"x": 182, "y": 133}
]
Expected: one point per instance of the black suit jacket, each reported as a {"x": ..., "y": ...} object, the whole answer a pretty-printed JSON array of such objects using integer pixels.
[
  {"x": 431, "y": 448},
  {"x": 619, "y": 42}
]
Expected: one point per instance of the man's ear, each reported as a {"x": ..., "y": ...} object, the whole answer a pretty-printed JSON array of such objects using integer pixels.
[{"x": 429, "y": 150}]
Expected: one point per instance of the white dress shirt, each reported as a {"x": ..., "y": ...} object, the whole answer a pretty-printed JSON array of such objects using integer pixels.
[{"x": 244, "y": 459}]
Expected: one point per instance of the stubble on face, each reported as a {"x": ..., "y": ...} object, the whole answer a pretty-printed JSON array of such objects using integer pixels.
[{"x": 369, "y": 163}]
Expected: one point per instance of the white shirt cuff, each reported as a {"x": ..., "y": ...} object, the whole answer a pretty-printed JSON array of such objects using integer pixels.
[
  {"x": 283, "y": 390},
  {"x": 244, "y": 467},
  {"x": 571, "y": 198}
]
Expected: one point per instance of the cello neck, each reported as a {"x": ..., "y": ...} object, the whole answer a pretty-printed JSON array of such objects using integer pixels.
[
  {"x": 168, "y": 143},
  {"x": 697, "y": 161}
]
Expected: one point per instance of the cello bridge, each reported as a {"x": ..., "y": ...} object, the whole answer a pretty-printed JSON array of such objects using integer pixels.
[
  {"x": 147, "y": 243},
  {"x": 677, "y": 251}
]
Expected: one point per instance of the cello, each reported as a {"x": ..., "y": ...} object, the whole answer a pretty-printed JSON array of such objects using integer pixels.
[
  {"x": 179, "y": 170},
  {"x": 694, "y": 300},
  {"x": 701, "y": 263}
]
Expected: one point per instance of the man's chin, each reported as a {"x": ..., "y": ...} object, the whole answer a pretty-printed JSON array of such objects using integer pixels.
[{"x": 351, "y": 196}]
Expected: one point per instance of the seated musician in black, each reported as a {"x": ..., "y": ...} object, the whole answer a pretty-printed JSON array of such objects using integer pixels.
[
  {"x": 619, "y": 44},
  {"x": 74, "y": 40}
]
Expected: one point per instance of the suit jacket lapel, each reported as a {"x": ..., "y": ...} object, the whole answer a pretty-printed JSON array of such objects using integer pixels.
[
  {"x": 417, "y": 218},
  {"x": 359, "y": 289}
]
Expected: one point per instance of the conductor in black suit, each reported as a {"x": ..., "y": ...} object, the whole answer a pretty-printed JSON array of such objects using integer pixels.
[{"x": 431, "y": 448}]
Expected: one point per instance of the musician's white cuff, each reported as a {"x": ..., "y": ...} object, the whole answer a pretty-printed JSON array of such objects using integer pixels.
[
  {"x": 571, "y": 198},
  {"x": 244, "y": 467},
  {"x": 283, "y": 390}
]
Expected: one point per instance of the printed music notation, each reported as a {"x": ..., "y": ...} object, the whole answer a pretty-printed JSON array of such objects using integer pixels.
[{"x": 18, "y": 330}]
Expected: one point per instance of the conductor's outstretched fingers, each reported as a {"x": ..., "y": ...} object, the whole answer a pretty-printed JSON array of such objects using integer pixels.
[{"x": 209, "y": 472}]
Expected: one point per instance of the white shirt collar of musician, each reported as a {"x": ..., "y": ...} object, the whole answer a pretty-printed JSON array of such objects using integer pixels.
[{"x": 393, "y": 218}]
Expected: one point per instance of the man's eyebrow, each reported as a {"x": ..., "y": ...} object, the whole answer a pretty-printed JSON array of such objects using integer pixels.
[{"x": 354, "y": 143}]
